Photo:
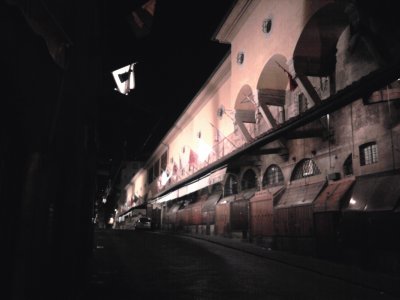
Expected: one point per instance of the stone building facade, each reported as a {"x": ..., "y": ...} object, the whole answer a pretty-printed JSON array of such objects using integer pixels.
[{"x": 294, "y": 141}]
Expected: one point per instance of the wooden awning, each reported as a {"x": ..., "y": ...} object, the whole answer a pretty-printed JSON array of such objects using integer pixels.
[
  {"x": 212, "y": 200},
  {"x": 378, "y": 192},
  {"x": 300, "y": 194},
  {"x": 195, "y": 185},
  {"x": 267, "y": 194},
  {"x": 331, "y": 197}
]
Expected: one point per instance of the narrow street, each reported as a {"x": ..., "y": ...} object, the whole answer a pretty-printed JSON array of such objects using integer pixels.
[{"x": 152, "y": 265}]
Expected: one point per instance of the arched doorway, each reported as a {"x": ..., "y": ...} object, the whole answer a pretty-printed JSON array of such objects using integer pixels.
[
  {"x": 231, "y": 185},
  {"x": 348, "y": 166},
  {"x": 249, "y": 180}
]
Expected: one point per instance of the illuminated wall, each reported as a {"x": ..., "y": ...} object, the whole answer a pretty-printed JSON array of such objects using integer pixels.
[{"x": 277, "y": 54}]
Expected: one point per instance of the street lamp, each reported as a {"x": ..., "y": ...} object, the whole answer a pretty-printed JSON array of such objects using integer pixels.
[{"x": 124, "y": 79}]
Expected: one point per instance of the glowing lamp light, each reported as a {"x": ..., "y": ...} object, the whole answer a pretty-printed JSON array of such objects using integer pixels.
[
  {"x": 164, "y": 178},
  {"x": 352, "y": 201},
  {"x": 104, "y": 200},
  {"x": 203, "y": 151},
  {"x": 111, "y": 221}
]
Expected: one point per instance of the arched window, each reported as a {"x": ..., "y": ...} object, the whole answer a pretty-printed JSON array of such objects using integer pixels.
[
  {"x": 305, "y": 168},
  {"x": 249, "y": 180},
  {"x": 272, "y": 176},
  {"x": 231, "y": 185},
  {"x": 368, "y": 154},
  {"x": 348, "y": 166}
]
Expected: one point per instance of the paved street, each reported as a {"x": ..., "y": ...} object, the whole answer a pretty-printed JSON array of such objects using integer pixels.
[{"x": 151, "y": 265}]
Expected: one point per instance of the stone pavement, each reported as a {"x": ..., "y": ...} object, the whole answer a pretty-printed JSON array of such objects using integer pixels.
[{"x": 384, "y": 283}]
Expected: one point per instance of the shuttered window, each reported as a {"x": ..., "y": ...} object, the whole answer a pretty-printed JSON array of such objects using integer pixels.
[{"x": 368, "y": 154}]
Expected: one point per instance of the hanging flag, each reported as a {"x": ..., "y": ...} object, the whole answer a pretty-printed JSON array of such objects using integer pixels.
[
  {"x": 124, "y": 79},
  {"x": 193, "y": 158},
  {"x": 180, "y": 163},
  {"x": 292, "y": 82}
]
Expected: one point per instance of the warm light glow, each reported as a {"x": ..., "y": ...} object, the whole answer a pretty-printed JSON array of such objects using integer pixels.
[
  {"x": 104, "y": 200},
  {"x": 111, "y": 221},
  {"x": 203, "y": 151},
  {"x": 352, "y": 201},
  {"x": 164, "y": 178}
]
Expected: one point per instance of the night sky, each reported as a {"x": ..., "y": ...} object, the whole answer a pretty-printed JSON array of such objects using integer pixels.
[{"x": 173, "y": 63}]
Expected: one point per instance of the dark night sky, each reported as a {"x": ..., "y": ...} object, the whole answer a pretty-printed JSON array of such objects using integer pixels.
[{"x": 173, "y": 63}]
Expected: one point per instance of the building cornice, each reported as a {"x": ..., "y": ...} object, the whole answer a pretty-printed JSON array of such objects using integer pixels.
[
  {"x": 235, "y": 20},
  {"x": 210, "y": 87}
]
